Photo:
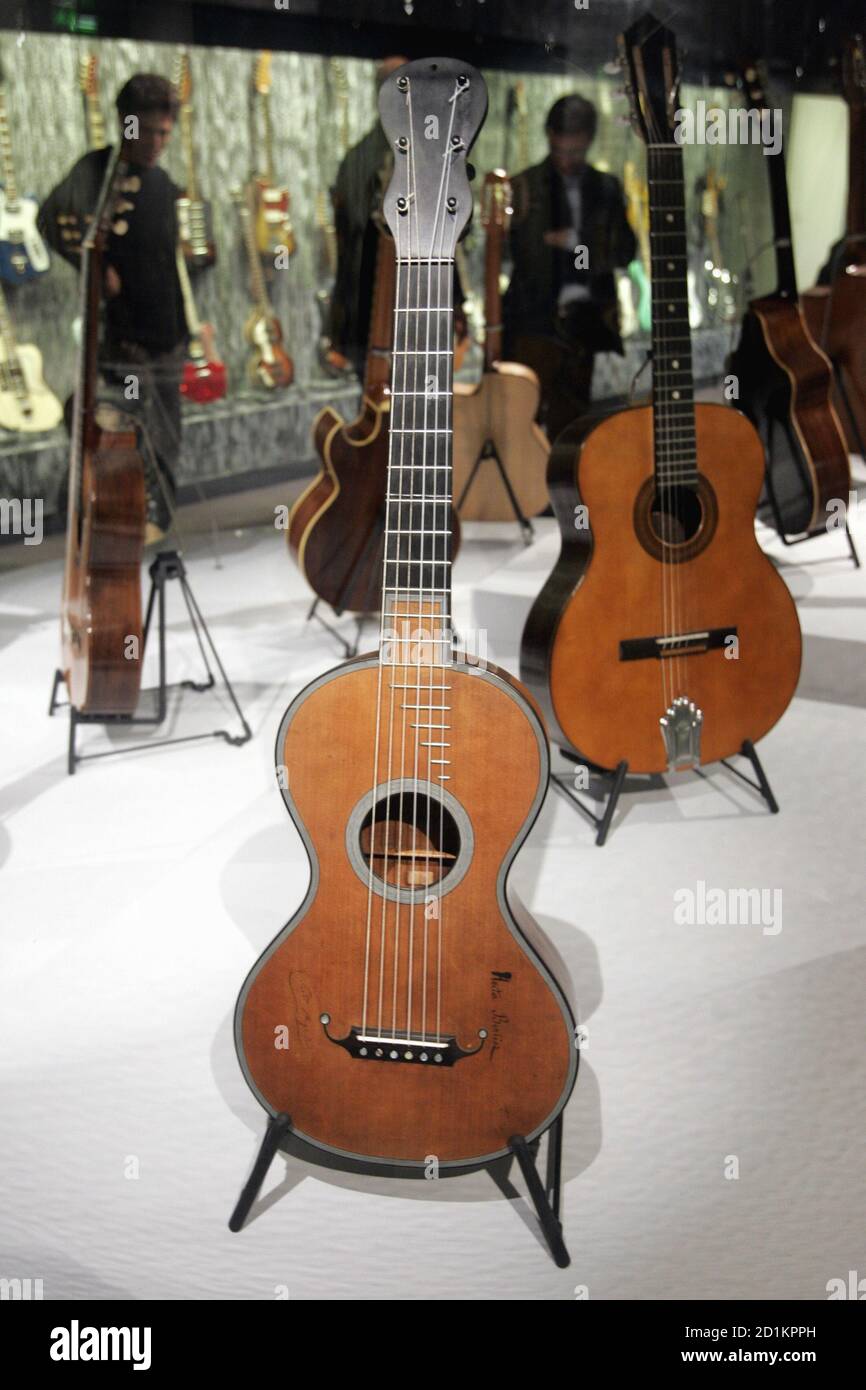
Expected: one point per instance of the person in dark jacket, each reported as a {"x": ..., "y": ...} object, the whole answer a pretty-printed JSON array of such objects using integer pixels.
[
  {"x": 568, "y": 233},
  {"x": 145, "y": 330}
]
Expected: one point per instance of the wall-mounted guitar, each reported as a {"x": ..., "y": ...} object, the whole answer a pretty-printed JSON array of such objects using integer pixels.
[
  {"x": 194, "y": 215},
  {"x": 88, "y": 82},
  {"x": 785, "y": 381},
  {"x": 204, "y": 375},
  {"x": 500, "y": 454},
  {"x": 420, "y": 1015},
  {"x": 23, "y": 254},
  {"x": 337, "y": 525},
  {"x": 26, "y": 403},
  {"x": 273, "y": 225},
  {"x": 665, "y": 639},
  {"x": 101, "y": 608},
  {"x": 836, "y": 314},
  {"x": 270, "y": 365},
  {"x": 333, "y": 363}
]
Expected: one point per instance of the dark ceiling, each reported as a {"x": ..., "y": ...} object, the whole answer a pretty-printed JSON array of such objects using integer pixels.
[{"x": 800, "y": 39}]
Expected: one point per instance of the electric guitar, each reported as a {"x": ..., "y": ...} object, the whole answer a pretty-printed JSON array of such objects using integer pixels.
[
  {"x": 270, "y": 365},
  {"x": 194, "y": 214},
  {"x": 494, "y": 420},
  {"x": 88, "y": 82},
  {"x": 664, "y": 638},
  {"x": 273, "y": 225},
  {"x": 786, "y": 381},
  {"x": 836, "y": 313},
  {"x": 204, "y": 375},
  {"x": 26, "y": 403},
  {"x": 23, "y": 253},
  {"x": 423, "y": 1015}
]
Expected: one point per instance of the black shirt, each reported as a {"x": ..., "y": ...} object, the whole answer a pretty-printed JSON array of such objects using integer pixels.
[{"x": 149, "y": 309}]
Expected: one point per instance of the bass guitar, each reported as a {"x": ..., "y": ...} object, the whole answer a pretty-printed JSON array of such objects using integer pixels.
[
  {"x": 270, "y": 365},
  {"x": 836, "y": 313},
  {"x": 101, "y": 611},
  {"x": 423, "y": 1016},
  {"x": 664, "y": 637},
  {"x": 500, "y": 454},
  {"x": 194, "y": 214},
  {"x": 26, "y": 403},
  {"x": 23, "y": 253},
  {"x": 204, "y": 376},
  {"x": 786, "y": 381},
  {"x": 337, "y": 526}
]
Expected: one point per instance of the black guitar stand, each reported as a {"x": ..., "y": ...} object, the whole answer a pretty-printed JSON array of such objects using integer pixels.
[
  {"x": 167, "y": 565},
  {"x": 545, "y": 1195},
  {"x": 489, "y": 452},
  {"x": 778, "y": 520},
  {"x": 616, "y": 780}
]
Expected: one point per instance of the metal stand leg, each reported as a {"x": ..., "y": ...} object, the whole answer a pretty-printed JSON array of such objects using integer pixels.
[
  {"x": 278, "y": 1127},
  {"x": 617, "y": 778},
  {"x": 489, "y": 452},
  {"x": 546, "y": 1213},
  {"x": 778, "y": 520},
  {"x": 762, "y": 785}
]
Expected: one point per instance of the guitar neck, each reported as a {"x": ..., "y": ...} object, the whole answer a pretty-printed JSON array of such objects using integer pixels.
[
  {"x": 786, "y": 275},
  {"x": 417, "y": 566},
  {"x": 856, "y": 220},
  {"x": 260, "y": 293},
  {"x": 6, "y": 160},
  {"x": 267, "y": 137},
  {"x": 192, "y": 189},
  {"x": 7, "y": 331},
  {"x": 675, "y": 452},
  {"x": 377, "y": 372},
  {"x": 492, "y": 295},
  {"x": 190, "y": 312}
]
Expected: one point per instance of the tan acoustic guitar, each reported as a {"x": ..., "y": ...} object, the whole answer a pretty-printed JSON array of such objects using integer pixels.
[{"x": 494, "y": 421}]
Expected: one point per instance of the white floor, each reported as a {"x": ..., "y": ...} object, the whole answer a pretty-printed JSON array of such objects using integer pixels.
[{"x": 136, "y": 895}]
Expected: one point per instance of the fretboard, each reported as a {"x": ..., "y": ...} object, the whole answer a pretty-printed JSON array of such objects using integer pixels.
[
  {"x": 6, "y": 161},
  {"x": 856, "y": 219},
  {"x": 417, "y": 564},
  {"x": 673, "y": 395}
]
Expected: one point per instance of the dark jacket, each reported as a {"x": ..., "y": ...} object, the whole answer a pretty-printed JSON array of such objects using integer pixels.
[
  {"x": 539, "y": 271},
  {"x": 357, "y": 194},
  {"x": 149, "y": 309}
]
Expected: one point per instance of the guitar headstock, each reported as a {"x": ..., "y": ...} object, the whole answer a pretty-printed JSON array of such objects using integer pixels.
[
  {"x": 183, "y": 78},
  {"x": 649, "y": 59},
  {"x": 432, "y": 111},
  {"x": 262, "y": 73},
  {"x": 854, "y": 71},
  {"x": 88, "y": 75},
  {"x": 496, "y": 200}
]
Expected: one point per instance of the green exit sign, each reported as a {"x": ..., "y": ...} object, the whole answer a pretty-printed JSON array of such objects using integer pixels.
[{"x": 67, "y": 17}]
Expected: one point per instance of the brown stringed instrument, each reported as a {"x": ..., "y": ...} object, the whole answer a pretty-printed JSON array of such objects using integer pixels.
[
  {"x": 836, "y": 313},
  {"x": 786, "y": 381},
  {"x": 423, "y": 1016},
  {"x": 337, "y": 526},
  {"x": 101, "y": 610},
  {"x": 269, "y": 365},
  {"x": 495, "y": 419},
  {"x": 664, "y": 637},
  {"x": 273, "y": 224}
]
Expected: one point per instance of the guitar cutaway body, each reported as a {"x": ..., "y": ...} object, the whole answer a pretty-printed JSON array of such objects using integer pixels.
[
  {"x": 406, "y": 1011},
  {"x": 595, "y": 651}
]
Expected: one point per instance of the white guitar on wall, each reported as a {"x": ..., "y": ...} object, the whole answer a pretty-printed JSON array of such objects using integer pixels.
[
  {"x": 23, "y": 253},
  {"x": 26, "y": 403}
]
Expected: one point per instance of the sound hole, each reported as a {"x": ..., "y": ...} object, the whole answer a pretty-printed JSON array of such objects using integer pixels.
[
  {"x": 676, "y": 515},
  {"x": 411, "y": 838}
]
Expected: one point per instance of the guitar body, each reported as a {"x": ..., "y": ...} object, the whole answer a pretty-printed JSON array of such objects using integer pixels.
[
  {"x": 102, "y": 589},
  {"x": 195, "y": 231},
  {"x": 784, "y": 377},
  {"x": 204, "y": 377},
  {"x": 273, "y": 226},
  {"x": 610, "y": 589},
  {"x": 23, "y": 254},
  {"x": 270, "y": 365},
  {"x": 837, "y": 320},
  {"x": 337, "y": 527},
  {"x": 500, "y": 409},
  {"x": 495, "y": 974},
  {"x": 35, "y": 407}
]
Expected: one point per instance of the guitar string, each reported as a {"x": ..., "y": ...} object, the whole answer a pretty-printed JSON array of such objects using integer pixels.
[{"x": 659, "y": 431}]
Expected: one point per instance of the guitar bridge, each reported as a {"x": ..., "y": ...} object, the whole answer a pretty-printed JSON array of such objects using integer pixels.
[
  {"x": 398, "y": 1046},
  {"x": 681, "y": 731}
]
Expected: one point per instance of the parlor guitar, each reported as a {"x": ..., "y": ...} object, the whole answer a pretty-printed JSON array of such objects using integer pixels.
[
  {"x": 101, "y": 610},
  {"x": 786, "y": 381},
  {"x": 836, "y": 314},
  {"x": 337, "y": 525},
  {"x": 664, "y": 638},
  {"x": 269, "y": 365},
  {"x": 423, "y": 1016},
  {"x": 500, "y": 454},
  {"x": 194, "y": 215}
]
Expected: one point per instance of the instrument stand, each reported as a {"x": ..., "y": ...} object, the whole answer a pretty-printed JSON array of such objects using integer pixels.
[
  {"x": 545, "y": 1195},
  {"x": 778, "y": 522},
  {"x": 350, "y": 649},
  {"x": 489, "y": 452},
  {"x": 167, "y": 565},
  {"x": 616, "y": 778}
]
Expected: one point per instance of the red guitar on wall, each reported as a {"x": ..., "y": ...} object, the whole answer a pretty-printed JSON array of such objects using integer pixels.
[{"x": 204, "y": 376}]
